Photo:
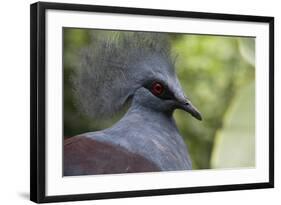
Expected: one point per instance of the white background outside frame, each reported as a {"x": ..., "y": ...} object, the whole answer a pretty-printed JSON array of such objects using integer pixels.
[{"x": 14, "y": 103}]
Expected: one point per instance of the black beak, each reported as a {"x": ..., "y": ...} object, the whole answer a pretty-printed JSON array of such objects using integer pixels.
[{"x": 188, "y": 107}]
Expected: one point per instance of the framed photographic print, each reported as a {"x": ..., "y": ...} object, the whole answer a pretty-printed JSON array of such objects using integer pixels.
[{"x": 129, "y": 102}]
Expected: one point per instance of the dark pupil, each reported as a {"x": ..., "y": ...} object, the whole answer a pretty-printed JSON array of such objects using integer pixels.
[{"x": 157, "y": 88}]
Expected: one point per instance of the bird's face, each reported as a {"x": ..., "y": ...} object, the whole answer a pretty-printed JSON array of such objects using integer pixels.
[{"x": 160, "y": 90}]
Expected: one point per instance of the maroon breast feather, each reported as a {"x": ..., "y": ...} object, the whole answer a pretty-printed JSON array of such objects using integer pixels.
[{"x": 85, "y": 156}]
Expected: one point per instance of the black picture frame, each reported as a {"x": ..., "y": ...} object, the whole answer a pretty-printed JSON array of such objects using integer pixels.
[{"x": 38, "y": 100}]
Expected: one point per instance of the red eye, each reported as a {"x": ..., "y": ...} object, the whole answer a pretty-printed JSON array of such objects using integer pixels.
[{"x": 157, "y": 88}]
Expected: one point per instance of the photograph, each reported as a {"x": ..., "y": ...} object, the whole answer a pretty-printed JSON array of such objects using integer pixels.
[
  {"x": 138, "y": 101},
  {"x": 132, "y": 102}
]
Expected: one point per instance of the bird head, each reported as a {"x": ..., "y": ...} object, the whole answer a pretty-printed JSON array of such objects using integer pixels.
[
  {"x": 159, "y": 88},
  {"x": 131, "y": 66}
]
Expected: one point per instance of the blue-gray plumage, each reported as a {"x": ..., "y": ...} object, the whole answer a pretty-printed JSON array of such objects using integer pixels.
[{"x": 134, "y": 69}]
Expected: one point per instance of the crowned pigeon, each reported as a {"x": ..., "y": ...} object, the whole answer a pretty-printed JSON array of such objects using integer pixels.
[{"x": 133, "y": 69}]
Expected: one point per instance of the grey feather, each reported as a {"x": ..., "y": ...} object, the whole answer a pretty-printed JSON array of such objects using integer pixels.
[{"x": 105, "y": 79}]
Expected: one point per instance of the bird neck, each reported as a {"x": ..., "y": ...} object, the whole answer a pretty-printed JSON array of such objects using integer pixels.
[
  {"x": 150, "y": 114},
  {"x": 151, "y": 134}
]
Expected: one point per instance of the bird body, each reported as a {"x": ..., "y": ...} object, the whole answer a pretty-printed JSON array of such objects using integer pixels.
[
  {"x": 146, "y": 138},
  {"x": 152, "y": 135}
]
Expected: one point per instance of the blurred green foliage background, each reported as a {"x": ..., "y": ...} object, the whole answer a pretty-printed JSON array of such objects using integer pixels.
[{"x": 218, "y": 75}]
